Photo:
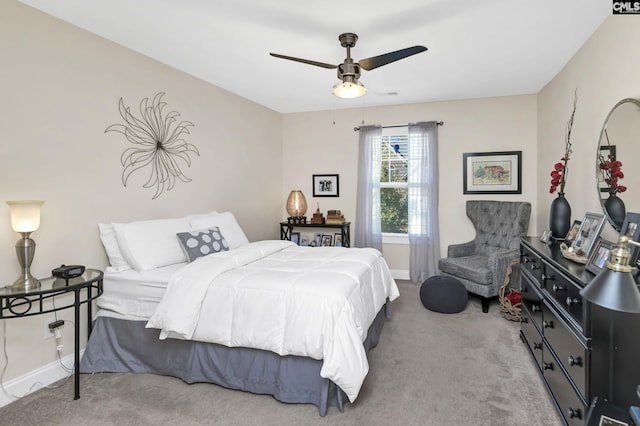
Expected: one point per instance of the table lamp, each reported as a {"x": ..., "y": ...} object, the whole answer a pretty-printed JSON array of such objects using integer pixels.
[
  {"x": 614, "y": 287},
  {"x": 25, "y": 219}
]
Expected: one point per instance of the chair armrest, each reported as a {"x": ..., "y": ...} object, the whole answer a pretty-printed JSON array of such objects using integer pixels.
[
  {"x": 499, "y": 263},
  {"x": 460, "y": 250}
]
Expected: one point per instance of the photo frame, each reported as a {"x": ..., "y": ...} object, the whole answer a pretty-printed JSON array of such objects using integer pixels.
[
  {"x": 605, "y": 151},
  {"x": 573, "y": 232},
  {"x": 304, "y": 240},
  {"x": 546, "y": 236},
  {"x": 326, "y": 185},
  {"x": 599, "y": 256},
  {"x": 337, "y": 239},
  {"x": 631, "y": 228},
  {"x": 317, "y": 239},
  {"x": 588, "y": 234},
  {"x": 295, "y": 237},
  {"x": 327, "y": 240},
  {"x": 492, "y": 172}
]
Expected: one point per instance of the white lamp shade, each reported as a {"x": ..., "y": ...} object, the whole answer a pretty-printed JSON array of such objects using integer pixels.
[
  {"x": 349, "y": 89},
  {"x": 25, "y": 215}
]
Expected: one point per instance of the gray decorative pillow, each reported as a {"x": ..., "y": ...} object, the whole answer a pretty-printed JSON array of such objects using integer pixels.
[{"x": 201, "y": 243}]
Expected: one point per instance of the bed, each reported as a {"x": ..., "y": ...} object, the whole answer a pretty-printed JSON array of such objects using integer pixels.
[{"x": 192, "y": 298}]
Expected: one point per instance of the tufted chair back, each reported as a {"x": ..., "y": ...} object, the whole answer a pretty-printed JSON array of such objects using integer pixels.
[{"x": 499, "y": 224}]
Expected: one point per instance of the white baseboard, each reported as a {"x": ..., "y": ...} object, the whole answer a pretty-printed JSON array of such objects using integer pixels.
[
  {"x": 36, "y": 379},
  {"x": 400, "y": 274}
]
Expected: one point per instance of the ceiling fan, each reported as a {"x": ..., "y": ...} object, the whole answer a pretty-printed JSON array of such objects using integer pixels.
[{"x": 349, "y": 71}]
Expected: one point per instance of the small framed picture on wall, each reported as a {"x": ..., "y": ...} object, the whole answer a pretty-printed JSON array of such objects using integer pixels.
[{"x": 326, "y": 186}]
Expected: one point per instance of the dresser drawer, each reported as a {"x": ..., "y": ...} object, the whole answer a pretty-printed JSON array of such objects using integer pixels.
[
  {"x": 571, "y": 352},
  {"x": 569, "y": 403},
  {"x": 565, "y": 292},
  {"x": 532, "y": 264},
  {"x": 532, "y": 336},
  {"x": 532, "y": 300}
]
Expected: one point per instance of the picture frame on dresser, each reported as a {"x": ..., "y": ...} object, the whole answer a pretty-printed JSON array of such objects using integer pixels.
[
  {"x": 588, "y": 234},
  {"x": 600, "y": 255},
  {"x": 631, "y": 228},
  {"x": 573, "y": 232}
]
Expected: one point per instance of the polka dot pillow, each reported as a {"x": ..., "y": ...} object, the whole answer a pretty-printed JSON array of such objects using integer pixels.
[{"x": 201, "y": 243}]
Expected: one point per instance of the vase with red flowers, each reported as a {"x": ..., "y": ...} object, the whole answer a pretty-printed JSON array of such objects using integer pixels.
[
  {"x": 614, "y": 207},
  {"x": 560, "y": 209}
]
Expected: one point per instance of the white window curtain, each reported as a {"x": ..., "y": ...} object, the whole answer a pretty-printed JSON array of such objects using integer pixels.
[
  {"x": 368, "y": 229},
  {"x": 424, "y": 236}
]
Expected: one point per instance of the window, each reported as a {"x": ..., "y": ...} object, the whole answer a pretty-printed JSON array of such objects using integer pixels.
[{"x": 393, "y": 181}]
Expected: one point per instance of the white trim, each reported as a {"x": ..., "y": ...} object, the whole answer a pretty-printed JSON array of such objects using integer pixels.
[
  {"x": 400, "y": 274},
  {"x": 36, "y": 379},
  {"x": 395, "y": 238}
]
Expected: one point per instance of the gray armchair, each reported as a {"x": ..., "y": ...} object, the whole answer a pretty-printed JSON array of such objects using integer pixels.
[{"x": 481, "y": 264}]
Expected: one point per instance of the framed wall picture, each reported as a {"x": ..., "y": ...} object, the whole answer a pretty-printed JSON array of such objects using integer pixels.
[
  {"x": 631, "y": 228},
  {"x": 326, "y": 186},
  {"x": 600, "y": 254},
  {"x": 492, "y": 172},
  {"x": 573, "y": 233},
  {"x": 588, "y": 234},
  {"x": 605, "y": 151}
]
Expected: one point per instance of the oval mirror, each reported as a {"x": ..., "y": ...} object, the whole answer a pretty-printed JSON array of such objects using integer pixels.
[{"x": 618, "y": 146}]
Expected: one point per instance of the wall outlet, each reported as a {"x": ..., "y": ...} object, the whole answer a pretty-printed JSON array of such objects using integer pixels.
[{"x": 48, "y": 333}]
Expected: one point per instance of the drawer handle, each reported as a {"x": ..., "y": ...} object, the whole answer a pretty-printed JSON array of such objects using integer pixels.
[
  {"x": 547, "y": 366},
  {"x": 575, "y": 413},
  {"x": 575, "y": 361},
  {"x": 528, "y": 260},
  {"x": 524, "y": 320},
  {"x": 524, "y": 289},
  {"x": 548, "y": 277},
  {"x": 557, "y": 288},
  {"x": 535, "y": 307},
  {"x": 537, "y": 345},
  {"x": 572, "y": 301},
  {"x": 547, "y": 324},
  {"x": 534, "y": 267}
]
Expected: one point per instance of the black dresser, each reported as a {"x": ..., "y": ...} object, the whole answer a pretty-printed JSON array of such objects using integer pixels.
[{"x": 582, "y": 351}]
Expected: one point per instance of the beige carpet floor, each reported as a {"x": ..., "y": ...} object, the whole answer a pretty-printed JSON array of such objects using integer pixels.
[{"x": 434, "y": 369}]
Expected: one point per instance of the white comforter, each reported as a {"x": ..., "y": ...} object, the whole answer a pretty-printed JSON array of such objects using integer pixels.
[{"x": 274, "y": 295}]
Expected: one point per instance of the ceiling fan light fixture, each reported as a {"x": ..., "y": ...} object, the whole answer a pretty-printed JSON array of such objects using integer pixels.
[{"x": 349, "y": 89}]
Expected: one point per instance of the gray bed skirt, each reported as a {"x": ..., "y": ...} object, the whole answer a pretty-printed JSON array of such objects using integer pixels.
[{"x": 122, "y": 346}]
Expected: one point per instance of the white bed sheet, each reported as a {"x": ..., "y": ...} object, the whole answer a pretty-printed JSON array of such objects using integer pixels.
[
  {"x": 291, "y": 300},
  {"x": 134, "y": 295}
]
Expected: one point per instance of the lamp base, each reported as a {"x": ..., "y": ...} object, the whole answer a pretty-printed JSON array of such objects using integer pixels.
[
  {"x": 26, "y": 284},
  {"x": 297, "y": 219}
]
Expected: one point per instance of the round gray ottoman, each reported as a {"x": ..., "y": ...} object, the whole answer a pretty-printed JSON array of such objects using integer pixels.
[{"x": 443, "y": 294}]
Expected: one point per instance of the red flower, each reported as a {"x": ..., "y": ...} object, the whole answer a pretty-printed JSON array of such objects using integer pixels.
[
  {"x": 560, "y": 170},
  {"x": 612, "y": 173}
]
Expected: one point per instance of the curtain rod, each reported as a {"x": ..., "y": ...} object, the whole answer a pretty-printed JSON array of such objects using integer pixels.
[{"x": 357, "y": 128}]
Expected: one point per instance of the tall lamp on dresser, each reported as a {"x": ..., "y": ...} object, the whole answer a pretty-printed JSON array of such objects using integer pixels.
[{"x": 614, "y": 327}]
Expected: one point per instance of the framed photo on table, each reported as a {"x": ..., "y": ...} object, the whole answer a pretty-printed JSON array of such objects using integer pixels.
[
  {"x": 600, "y": 255},
  {"x": 326, "y": 186},
  {"x": 327, "y": 240},
  {"x": 492, "y": 172},
  {"x": 631, "y": 228},
  {"x": 337, "y": 239},
  {"x": 573, "y": 233},
  {"x": 295, "y": 237},
  {"x": 588, "y": 234}
]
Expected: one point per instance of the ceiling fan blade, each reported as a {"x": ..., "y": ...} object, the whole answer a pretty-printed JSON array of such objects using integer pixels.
[
  {"x": 304, "y": 61},
  {"x": 380, "y": 60}
]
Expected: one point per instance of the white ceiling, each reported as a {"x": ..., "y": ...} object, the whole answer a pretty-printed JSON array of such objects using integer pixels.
[{"x": 477, "y": 48}]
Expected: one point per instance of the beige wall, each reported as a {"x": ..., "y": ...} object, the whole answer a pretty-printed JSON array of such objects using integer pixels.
[
  {"x": 324, "y": 142},
  {"x": 60, "y": 89},
  {"x": 604, "y": 71}
]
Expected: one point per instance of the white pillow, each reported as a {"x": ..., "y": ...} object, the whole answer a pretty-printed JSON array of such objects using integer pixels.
[
  {"x": 151, "y": 244},
  {"x": 226, "y": 222},
  {"x": 108, "y": 238}
]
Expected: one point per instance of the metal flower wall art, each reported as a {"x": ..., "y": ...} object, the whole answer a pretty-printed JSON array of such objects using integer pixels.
[{"x": 158, "y": 144}]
